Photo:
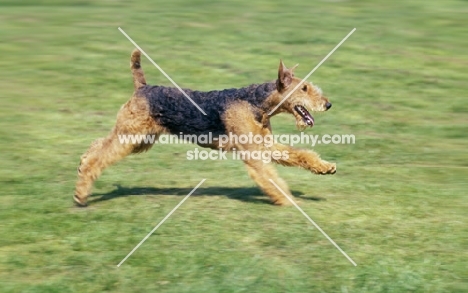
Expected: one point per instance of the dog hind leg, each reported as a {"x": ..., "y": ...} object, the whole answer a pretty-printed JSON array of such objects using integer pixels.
[
  {"x": 132, "y": 119},
  {"x": 102, "y": 153}
]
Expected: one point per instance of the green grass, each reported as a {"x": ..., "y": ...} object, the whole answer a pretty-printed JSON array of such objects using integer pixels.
[{"x": 397, "y": 205}]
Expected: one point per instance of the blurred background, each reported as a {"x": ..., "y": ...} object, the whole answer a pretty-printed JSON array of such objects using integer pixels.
[{"x": 397, "y": 205}]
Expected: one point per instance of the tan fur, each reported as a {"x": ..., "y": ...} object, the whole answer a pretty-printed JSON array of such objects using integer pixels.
[
  {"x": 239, "y": 118},
  {"x": 133, "y": 118},
  {"x": 135, "y": 66}
]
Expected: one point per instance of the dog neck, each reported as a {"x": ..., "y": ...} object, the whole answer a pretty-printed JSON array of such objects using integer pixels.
[{"x": 272, "y": 101}]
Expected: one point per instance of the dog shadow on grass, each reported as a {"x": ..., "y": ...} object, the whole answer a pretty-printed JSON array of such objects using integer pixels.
[{"x": 247, "y": 194}]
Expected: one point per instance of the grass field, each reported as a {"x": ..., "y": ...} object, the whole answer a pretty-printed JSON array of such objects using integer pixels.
[{"x": 397, "y": 206}]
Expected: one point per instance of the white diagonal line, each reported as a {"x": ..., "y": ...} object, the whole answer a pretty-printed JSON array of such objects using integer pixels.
[
  {"x": 162, "y": 71},
  {"x": 160, "y": 223},
  {"x": 313, "y": 223},
  {"x": 313, "y": 70}
]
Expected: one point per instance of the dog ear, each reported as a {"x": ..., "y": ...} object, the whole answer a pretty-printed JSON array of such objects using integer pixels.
[
  {"x": 294, "y": 68},
  {"x": 284, "y": 77}
]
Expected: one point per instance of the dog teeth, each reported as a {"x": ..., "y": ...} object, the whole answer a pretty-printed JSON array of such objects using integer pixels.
[{"x": 305, "y": 115}]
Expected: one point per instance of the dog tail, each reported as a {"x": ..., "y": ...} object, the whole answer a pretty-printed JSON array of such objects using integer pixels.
[{"x": 138, "y": 74}]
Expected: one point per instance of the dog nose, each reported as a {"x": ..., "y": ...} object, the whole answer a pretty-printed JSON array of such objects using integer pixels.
[{"x": 328, "y": 105}]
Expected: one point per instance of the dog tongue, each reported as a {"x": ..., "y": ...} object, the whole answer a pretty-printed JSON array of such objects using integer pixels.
[{"x": 309, "y": 120}]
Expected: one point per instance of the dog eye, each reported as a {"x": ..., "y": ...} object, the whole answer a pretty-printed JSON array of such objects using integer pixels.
[{"x": 304, "y": 88}]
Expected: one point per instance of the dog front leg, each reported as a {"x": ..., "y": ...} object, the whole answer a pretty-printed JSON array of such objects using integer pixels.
[
  {"x": 261, "y": 173},
  {"x": 306, "y": 159}
]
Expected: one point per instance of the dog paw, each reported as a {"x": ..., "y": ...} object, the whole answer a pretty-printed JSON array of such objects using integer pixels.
[
  {"x": 326, "y": 168},
  {"x": 284, "y": 202},
  {"x": 79, "y": 202}
]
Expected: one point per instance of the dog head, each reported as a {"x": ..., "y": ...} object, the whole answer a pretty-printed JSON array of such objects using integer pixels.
[{"x": 302, "y": 100}]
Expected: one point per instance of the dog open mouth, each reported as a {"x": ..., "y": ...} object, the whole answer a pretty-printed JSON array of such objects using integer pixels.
[{"x": 308, "y": 119}]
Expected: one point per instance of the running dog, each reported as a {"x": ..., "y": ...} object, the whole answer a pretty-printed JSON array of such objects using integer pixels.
[{"x": 153, "y": 110}]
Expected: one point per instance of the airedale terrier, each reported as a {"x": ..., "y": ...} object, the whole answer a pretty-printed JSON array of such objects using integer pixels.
[{"x": 154, "y": 110}]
